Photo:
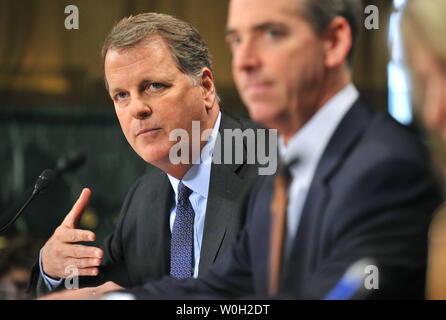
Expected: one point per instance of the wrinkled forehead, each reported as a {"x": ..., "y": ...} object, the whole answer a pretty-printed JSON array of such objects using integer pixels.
[
  {"x": 153, "y": 41},
  {"x": 246, "y": 13}
]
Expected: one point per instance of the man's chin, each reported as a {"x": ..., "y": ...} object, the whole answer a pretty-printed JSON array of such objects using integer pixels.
[
  {"x": 264, "y": 115},
  {"x": 155, "y": 158}
]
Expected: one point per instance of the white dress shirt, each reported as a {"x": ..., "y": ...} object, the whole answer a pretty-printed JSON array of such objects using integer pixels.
[{"x": 308, "y": 145}]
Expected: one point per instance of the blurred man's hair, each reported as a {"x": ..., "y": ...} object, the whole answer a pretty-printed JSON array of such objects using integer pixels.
[
  {"x": 422, "y": 27},
  {"x": 320, "y": 13},
  {"x": 423, "y": 23},
  {"x": 188, "y": 49}
]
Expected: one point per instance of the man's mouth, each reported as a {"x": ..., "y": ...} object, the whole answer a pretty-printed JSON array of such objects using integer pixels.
[
  {"x": 147, "y": 131},
  {"x": 257, "y": 87}
]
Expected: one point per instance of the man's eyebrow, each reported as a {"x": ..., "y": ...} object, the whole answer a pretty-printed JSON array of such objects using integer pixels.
[
  {"x": 115, "y": 90},
  {"x": 258, "y": 27},
  {"x": 229, "y": 32},
  {"x": 268, "y": 25}
]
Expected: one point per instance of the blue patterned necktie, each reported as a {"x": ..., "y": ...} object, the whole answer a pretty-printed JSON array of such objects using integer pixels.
[{"x": 182, "y": 242}]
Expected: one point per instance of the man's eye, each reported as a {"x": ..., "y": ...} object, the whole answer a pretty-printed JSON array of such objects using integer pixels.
[
  {"x": 155, "y": 86},
  {"x": 233, "y": 41},
  {"x": 236, "y": 40},
  {"x": 121, "y": 96},
  {"x": 272, "y": 33}
]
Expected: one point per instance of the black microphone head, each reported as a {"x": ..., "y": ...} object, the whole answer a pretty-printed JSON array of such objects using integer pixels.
[
  {"x": 71, "y": 162},
  {"x": 44, "y": 180}
]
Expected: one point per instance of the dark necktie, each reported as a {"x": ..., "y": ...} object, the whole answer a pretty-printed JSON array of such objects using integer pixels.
[
  {"x": 182, "y": 242},
  {"x": 278, "y": 210}
]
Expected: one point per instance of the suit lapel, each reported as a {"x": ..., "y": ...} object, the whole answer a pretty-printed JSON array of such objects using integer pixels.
[
  {"x": 161, "y": 202},
  {"x": 224, "y": 187},
  {"x": 307, "y": 238},
  {"x": 348, "y": 132}
]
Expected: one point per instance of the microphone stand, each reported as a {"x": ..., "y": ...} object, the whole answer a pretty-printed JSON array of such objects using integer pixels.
[
  {"x": 45, "y": 178},
  {"x": 70, "y": 163},
  {"x": 6, "y": 227}
]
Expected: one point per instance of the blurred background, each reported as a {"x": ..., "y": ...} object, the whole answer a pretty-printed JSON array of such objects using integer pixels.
[{"x": 53, "y": 102}]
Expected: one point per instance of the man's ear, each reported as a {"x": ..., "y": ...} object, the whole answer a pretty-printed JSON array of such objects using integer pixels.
[
  {"x": 208, "y": 87},
  {"x": 337, "y": 42}
]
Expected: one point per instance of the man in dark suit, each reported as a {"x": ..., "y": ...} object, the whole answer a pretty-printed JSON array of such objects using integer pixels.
[
  {"x": 360, "y": 187},
  {"x": 159, "y": 75}
]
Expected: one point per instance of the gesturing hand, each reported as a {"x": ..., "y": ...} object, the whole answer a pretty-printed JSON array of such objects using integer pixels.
[{"x": 61, "y": 250}]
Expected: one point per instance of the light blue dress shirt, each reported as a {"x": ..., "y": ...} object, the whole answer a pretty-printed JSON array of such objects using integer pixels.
[
  {"x": 308, "y": 145},
  {"x": 197, "y": 179}
]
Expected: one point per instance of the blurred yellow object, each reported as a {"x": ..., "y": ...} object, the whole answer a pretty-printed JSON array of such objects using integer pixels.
[
  {"x": 89, "y": 219},
  {"x": 436, "y": 267},
  {"x": 3, "y": 243},
  {"x": 36, "y": 82}
]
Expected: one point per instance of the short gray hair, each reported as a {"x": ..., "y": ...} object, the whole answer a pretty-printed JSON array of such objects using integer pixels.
[
  {"x": 320, "y": 13},
  {"x": 186, "y": 45}
]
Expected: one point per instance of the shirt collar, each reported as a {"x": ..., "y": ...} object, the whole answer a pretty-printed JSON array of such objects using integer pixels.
[
  {"x": 198, "y": 176},
  {"x": 311, "y": 140}
]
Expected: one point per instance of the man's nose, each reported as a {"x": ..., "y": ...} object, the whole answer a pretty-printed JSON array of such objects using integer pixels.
[
  {"x": 139, "y": 108},
  {"x": 246, "y": 56}
]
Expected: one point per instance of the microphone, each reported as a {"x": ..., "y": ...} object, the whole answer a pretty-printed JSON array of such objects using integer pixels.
[
  {"x": 44, "y": 180},
  {"x": 71, "y": 162},
  {"x": 351, "y": 281},
  {"x": 66, "y": 164}
]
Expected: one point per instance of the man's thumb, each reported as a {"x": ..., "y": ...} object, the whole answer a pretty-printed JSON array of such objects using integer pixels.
[{"x": 76, "y": 212}]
